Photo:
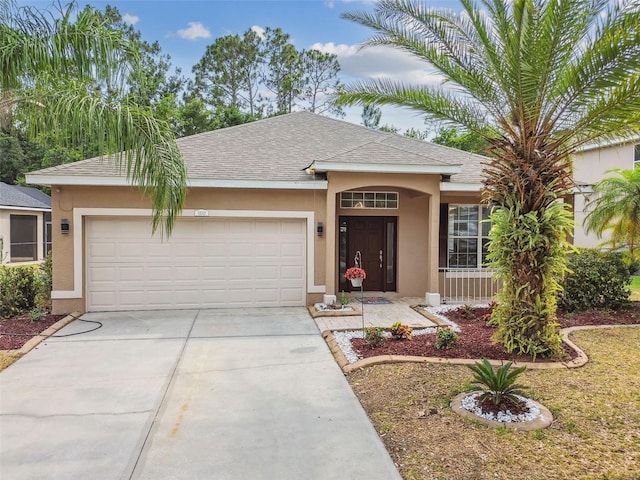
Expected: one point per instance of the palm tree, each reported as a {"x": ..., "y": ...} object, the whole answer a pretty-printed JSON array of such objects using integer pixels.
[
  {"x": 537, "y": 79},
  {"x": 63, "y": 74},
  {"x": 616, "y": 207}
]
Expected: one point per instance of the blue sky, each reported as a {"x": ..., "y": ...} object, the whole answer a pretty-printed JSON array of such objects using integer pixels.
[{"x": 184, "y": 28}]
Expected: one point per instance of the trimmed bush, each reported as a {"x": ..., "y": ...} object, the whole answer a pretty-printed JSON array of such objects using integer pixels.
[
  {"x": 446, "y": 339},
  {"x": 597, "y": 280},
  {"x": 19, "y": 287}
]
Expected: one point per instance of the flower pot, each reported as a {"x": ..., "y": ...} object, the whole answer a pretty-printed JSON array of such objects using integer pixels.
[{"x": 356, "y": 282}]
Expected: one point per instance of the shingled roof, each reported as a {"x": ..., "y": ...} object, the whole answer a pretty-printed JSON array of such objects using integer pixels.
[
  {"x": 23, "y": 197},
  {"x": 280, "y": 149}
]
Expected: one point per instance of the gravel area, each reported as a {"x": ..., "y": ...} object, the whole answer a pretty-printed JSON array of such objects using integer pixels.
[{"x": 343, "y": 338}]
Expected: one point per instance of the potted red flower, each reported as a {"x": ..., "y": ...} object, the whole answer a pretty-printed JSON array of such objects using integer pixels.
[{"x": 356, "y": 275}]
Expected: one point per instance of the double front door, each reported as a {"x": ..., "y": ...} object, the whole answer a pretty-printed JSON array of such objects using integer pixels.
[{"x": 375, "y": 239}]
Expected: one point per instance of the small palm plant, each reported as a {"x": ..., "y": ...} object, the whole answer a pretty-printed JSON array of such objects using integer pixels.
[{"x": 498, "y": 385}]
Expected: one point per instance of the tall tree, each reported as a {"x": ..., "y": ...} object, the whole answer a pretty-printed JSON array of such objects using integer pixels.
[
  {"x": 61, "y": 73},
  {"x": 537, "y": 79},
  {"x": 616, "y": 207},
  {"x": 151, "y": 81},
  {"x": 283, "y": 74},
  {"x": 11, "y": 158},
  {"x": 467, "y": 141},
  {"x": 371, "y": 116},
  {"x": 321, "y": 82},
  {"x": 227, "y": 74}
]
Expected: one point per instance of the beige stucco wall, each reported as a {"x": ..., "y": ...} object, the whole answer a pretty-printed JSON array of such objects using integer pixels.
[
  {"x": 418, "y": 214},
  {"x": 66, "y": 198},
  {"x": 418, "y": 223},
  {"x": 590, "y": 167},
  {"x": 5, "y": 229}
]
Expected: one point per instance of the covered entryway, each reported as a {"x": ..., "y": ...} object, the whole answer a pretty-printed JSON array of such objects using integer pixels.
[
  {"x": 206, "y": 263},
  {"x": 375, "y": 239}
]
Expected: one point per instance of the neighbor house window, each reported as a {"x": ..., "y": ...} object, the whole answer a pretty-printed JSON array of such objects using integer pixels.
[
  {"x": 24, "y": 238},
  {"x": 47, "y": 233},
  {"x": 636, "y": 156},
  {"x": 369, "y": 200},
  {"x": 468, "y": 236}
]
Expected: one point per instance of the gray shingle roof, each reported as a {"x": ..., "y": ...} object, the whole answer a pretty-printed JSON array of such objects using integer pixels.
[
  {"x": 25, "y": 197},
  {"x": 280, "y": 148}
]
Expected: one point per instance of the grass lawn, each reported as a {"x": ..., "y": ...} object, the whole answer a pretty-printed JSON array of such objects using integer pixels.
[
  {"x": 594, "y": 435},
  {"x": 6, "y": 360},
  {"x": 635, "y": 287}
]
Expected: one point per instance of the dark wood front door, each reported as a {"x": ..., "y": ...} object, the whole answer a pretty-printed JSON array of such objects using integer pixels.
[{"x": 375, "y": 239}]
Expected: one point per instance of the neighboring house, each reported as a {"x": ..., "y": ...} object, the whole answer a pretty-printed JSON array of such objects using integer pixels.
[
  {"x": 276, "y": 211},
  {"x": 591, "y": 165},
  {"x": 25, "y": 224}
]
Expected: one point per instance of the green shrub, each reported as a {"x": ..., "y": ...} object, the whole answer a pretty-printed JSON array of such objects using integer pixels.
[
  {"x": 597, "y": 280},
  {"x": 36, "y": 314},
  {"x": 344, "y": 300},
  {"x": 498, "y": 385},
  {"x": 43, "y": 298},
  {"x": 446, "y": 338},
  {"x": 374, "y": 336},
  {"x": 19, "y": 287}
]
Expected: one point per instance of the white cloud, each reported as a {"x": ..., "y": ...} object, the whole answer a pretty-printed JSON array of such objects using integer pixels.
[
  {"x": 130, "y": 19},
  {"x": 261, "y": 32},
  {"x": 194, "y": 31},
  {"x": 357, "y": 63},
  {"x": 380, "y": 62}
]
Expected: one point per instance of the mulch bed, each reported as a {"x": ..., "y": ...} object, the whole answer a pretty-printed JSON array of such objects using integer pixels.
[
  {"x": 17, "y": 331},
  {"x": 475, "y": 336}
]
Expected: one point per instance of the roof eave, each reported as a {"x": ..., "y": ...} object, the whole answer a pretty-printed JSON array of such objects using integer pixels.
[
  {"x": 460, "y": 187},
  {"x": 386, "y": 168},
  {"x": 22, "y": 208},
  {"x": 81, "y": 180}
]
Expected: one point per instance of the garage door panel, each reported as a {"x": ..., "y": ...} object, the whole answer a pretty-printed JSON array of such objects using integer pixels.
[
  {"x": 102, "y": 274},
  {"x": 206, "y": 263},
  {"x": 130, "y": 274},
  {"x": 101, "y": 250},
  {"x": 266, "y": 272},
  {"x": 290, "y": 295},
  {"x": 292, "y": 272},
  {"x": 267, "y": 250},
  {"x": 158, "y": 273}
]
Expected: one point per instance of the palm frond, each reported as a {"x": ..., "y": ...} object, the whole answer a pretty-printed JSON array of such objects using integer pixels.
[
  {"x": 143, "y": 146},
  {"x": 63, "y": 74}
]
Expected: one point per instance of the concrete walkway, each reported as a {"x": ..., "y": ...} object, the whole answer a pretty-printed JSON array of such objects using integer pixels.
[
  {"x": 209, "y": 394},
  {"x": 382, "y": 315}
]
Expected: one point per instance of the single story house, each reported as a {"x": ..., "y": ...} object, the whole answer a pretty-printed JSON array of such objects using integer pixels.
[
  {"x": 592, "y": 164},
  {"x": 276, "y": 211},
  {"x": 25, "y": 224}
]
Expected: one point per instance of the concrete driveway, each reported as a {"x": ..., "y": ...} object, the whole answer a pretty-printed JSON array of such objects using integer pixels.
[{"x": 191, "y": 394}]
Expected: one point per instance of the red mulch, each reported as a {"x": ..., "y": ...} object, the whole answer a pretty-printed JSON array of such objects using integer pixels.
[
  {"x": 25, "y": 328},
  {"x": 515, "y": 408},
  {"x": 475, "y": 336}
]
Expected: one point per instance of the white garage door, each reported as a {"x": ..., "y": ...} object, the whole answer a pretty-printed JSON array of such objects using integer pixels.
[{"x": 206, "y": 263}]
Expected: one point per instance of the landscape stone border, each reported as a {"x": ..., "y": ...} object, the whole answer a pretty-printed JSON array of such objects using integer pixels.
[
  {"x": 35, "y": 341},
  {"x": 542, "y": 421},
  {"x": 577, "y": 362}
]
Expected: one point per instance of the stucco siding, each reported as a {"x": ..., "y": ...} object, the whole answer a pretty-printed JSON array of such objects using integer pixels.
[
  {"x": 418, "y": 213},
  {"x": 66, "y": 200},
  {"x": 590, "y": 167}
]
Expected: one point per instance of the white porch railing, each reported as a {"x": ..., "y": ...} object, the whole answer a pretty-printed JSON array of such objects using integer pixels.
[{"x": 468, "y": 285}]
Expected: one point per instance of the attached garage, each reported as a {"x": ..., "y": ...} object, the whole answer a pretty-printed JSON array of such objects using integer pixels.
[{"x": 207, "y": 262}]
